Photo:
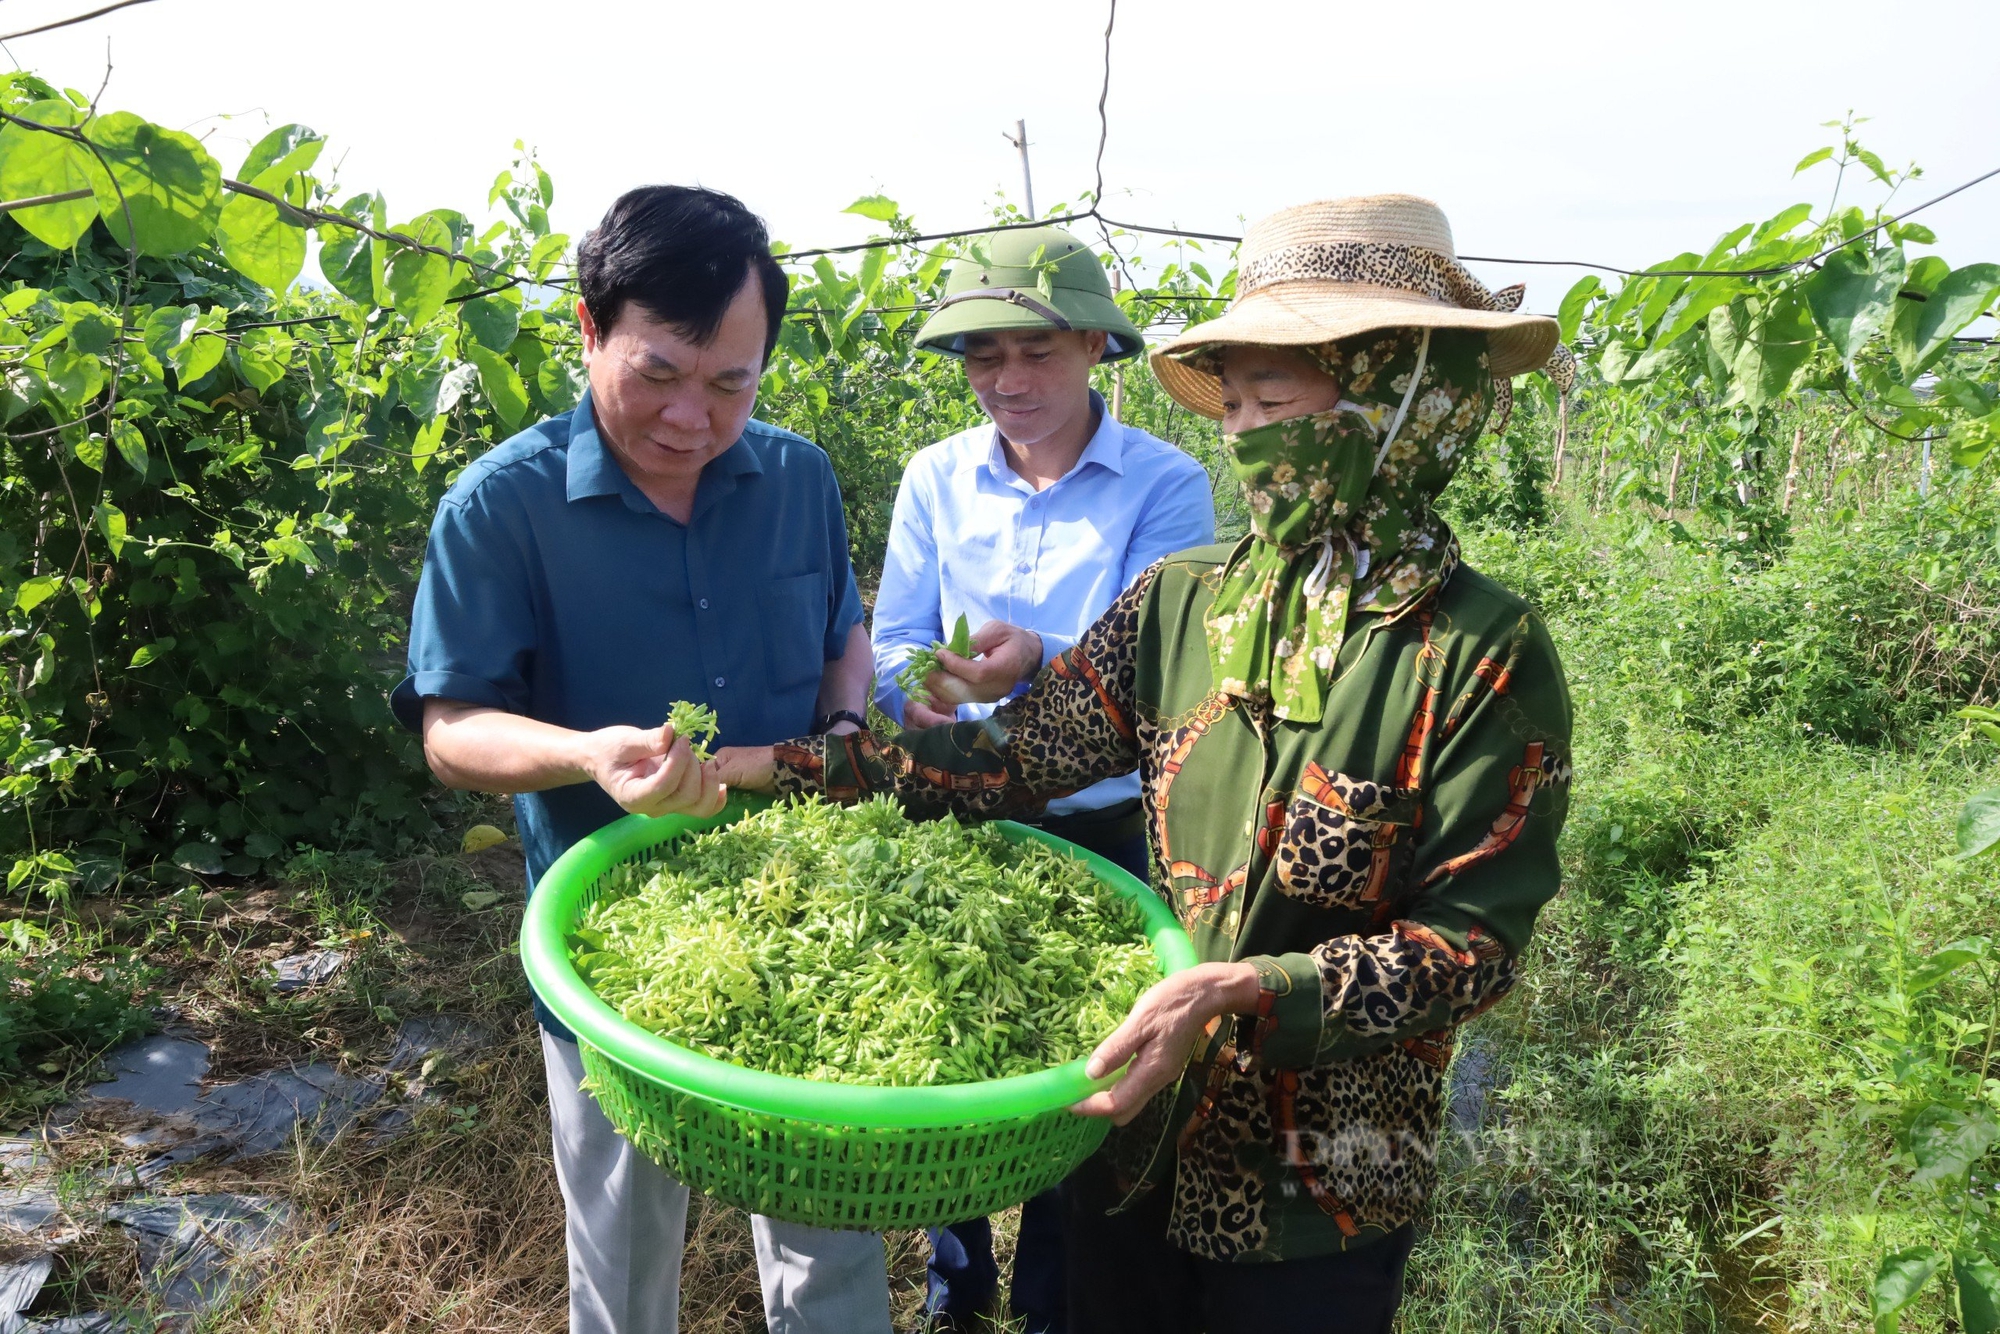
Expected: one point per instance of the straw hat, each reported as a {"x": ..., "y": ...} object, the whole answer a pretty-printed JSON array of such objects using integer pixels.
[{"x": 1326, "y": 271}]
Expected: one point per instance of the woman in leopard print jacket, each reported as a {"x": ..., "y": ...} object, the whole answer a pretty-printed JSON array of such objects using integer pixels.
[{"x": 1354, "y": 752}]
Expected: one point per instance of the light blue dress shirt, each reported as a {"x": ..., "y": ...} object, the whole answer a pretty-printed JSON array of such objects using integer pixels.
[{"x": 970, "y": 536}]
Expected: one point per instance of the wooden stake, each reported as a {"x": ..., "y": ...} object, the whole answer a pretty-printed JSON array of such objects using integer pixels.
[
  {"x": 1674, "y": 479},
  {"x": 1792, "y": 470},
  {"x": 1563, "y": 437},
  {"x": 1117, "y": 371}
]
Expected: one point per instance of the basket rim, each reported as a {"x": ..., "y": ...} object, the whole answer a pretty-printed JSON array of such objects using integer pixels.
[{"x": 553, "y": 908}]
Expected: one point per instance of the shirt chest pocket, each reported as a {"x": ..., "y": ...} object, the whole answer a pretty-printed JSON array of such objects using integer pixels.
[
  {"x": 794, "y": 610},
  {"x": 1345, "y": 842}
]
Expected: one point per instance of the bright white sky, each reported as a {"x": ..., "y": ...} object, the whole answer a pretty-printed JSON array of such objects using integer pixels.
[{"x": 1620, "y": 133}]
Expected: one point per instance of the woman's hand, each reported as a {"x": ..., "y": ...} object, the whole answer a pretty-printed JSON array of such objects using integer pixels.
[
  {"x": 1159, "y": 1035},
  {"x": 1004, "y": 656},
  {"x": 917, "y": 715},
  {"x": 746, "y": 768},
  {"x": 650, "y": 771}
]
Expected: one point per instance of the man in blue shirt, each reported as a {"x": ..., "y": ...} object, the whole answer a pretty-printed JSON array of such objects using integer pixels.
[
  {"x": 653, "y": 545},
  {"x": 1030, "y": 528}
]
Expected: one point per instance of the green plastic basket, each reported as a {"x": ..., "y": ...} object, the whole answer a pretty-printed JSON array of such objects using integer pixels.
[{"x": 834, "y": 1155}]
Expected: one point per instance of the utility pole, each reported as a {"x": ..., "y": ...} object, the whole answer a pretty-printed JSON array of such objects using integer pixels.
[{"x": 1019, "y": 138}]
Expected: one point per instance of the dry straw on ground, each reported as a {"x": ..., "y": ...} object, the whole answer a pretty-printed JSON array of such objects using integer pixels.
[{"x": 455, "y": 1227}]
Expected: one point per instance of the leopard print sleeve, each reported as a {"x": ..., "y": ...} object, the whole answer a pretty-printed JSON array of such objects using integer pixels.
[
  {"x": 1074, "y": 727},
  {"x": 1494, "y": 804}
]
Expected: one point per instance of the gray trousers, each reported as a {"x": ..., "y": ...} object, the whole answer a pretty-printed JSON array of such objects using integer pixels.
[{"x": 627, "y": 1221}]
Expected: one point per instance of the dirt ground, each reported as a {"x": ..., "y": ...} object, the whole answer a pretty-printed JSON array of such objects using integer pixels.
[{"x": 456, "y": 1225}]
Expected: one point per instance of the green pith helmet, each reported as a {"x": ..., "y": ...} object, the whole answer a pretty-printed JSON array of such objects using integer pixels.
[{"x": 1036, "y": 278}]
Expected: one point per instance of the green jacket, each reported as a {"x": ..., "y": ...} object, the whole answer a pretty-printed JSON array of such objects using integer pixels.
[{"x": 1382, "y": 869}]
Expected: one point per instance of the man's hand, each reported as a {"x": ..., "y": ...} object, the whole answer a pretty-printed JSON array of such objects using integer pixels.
[
  {"x": 1007, "y": 655},
  {"x": 650, "y": 771},
  {"x": 747, "y": 768},
  {"x": 1159, "y": 1035}
]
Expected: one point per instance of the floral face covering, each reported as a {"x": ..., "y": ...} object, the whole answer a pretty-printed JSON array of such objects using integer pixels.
[{"x": 1338, "y": 523}]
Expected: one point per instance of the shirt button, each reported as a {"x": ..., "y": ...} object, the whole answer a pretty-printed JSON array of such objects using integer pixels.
[
  {"x": 718, "y": 683},
  {"x": 1022, "y": 567},
  {"x": 703, "y": 604}
]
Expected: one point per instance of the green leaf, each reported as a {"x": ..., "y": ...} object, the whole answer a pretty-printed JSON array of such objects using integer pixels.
[
  {"x": 1569, "y": 315},
  {"x": 131, "y": 446},
  {"x": 35, "y": 162},
  {"x": 1972, "y": 440},
  {"x": 1630, "y": 293},
  {"x": 34, "y": 592},
  {"x": 1924, "y": 328},
  {"x": 260, "y": 243},
  {"x": 1615, "y": 361},
  {"x": 880, "y": 208},
  {"x": 165, "y": 180},
  {"x": 161, "y": 331},
  {"x": 262, "y": 356},
  {"x": 111, "y": 522},
  {"x": 494, "y": 320},
  {"x": 1947, "y": 1142},
  {"x": 870, "y": 275},
  {"x": 1979, "y": 824},
  {"x": 1943, "y": 963},
  {"x": 457, "y": 382},
  {"x": 90, "y": 451},
  {"x": 429, "y": 436},
  {"x": 419, "y": 281},
  {"x": 350, "y": 261},
  {"x": 1812, "y": 159},
  {"x": 73, "y": 377},
  {"x": 1778, "y": 342},
  {"x": 1691, "y": 310},
  {"x": 1779, "y": 224},
  {"x": 502, "y": 385},
  {"x": 1851, "y": 296},
  {"x": 199, "y": 858},
  {"x": 1978, "y": 1280},
  {"x": 201, "y": 343},
  {"x": 152, "y": 652},
  {"x": 91, "y": 327},
  {"x": 1900, "y": 1277},
  {"x": 548, "y": 252},
  {"x": 1663, "y": 295},
  {"x": 961, "y": 637},
  {"x": 346, "y": 261},
  {"x": 559, "y": 383},
  {"x": 282, "y": 153}
]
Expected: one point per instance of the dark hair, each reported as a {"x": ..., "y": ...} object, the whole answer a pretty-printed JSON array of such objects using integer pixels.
[{"x": 682, "y": 253}]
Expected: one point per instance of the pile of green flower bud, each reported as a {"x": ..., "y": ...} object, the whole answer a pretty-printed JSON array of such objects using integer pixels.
[{"x": 851, "y": 944}]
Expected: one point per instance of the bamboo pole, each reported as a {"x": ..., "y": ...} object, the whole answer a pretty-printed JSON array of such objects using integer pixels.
[{"x": 1674, "y": 479}]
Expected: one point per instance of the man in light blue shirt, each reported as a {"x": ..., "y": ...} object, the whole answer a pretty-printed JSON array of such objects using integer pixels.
[{"x": 1029, "y": 528}]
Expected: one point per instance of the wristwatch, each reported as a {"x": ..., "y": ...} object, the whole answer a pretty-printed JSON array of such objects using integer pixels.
[{"x": 822, "y": 725}]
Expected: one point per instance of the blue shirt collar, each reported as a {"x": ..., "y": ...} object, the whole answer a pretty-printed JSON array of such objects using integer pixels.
[
  {"x": 1106, "y": 446},
  {"x": 595, "y": 471}
]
